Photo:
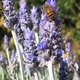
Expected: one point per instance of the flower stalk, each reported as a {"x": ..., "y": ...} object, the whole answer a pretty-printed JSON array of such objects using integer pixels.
[
  {"x": 7, "y": 53},
  {"x": 19, "y": 55},
  {"x": 50, "y": 70},
  {"x": 36, "y": 75}
]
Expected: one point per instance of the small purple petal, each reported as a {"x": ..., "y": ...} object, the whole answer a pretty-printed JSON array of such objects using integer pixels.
[
  {"x": 48, "y": 1},
  {"x": 22, "y": 6},
  {"x": 53, "y": 34},
  {"x": 27, "y": 34},
  {"x": 31, "y": 57},
  {"x": 41, "y": 45},
  {"x": 53, "y": 3},
  {"x": 12, "y": 54},
  {"x": 59, "y": 51},
  {"x": 69, "y": 45},
  {"x": 34, "y": 10},
  {"x": 6, "y": 43},
  {"x": 25, "y": 72},
  {"x": 1, "y": 57}
]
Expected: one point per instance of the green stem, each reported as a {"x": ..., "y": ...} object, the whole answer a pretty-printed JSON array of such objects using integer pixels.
[
  {"x": 36, "y": 76},
  {"x": 19, "y": 53},
  {"x": 17, "y": 77},
  {"x": 5, "y": 72},
  {"x": 7, "y": 53},
  {"x": 50, "y": 70},
  {"x": 36, "y": 37}
]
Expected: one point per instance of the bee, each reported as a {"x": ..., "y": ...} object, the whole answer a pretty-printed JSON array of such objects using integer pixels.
[
  {"x": 1, "y": 8},
  {"x": 49, "y": 12}
]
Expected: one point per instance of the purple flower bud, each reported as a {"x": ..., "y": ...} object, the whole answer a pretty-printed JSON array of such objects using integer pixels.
[
  {"x": 12, "y": 54},
  {"x": 59, "y": 51},
  {"x": 41, "y": 45},
  {"x": 34, "y": 10},
  {"x": 69, "y": 46},
  {"x": 53, "y": 34},
  {"x": 23, "y": 6},
  {"x": 27, "y": 34},
  {"x": 34, "y": 15},
  {"x": 6, "y": 43},
  {"x": 43, "y": 20},
  {"x": 25, "y": 72},
  {"x": 1, "y": 57},
  {"x": 31, "y": 57},
  {"x": 25, "y": 20}
]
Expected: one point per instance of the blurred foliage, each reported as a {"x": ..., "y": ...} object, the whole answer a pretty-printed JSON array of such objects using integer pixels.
[{"x": 69, "y": 11}]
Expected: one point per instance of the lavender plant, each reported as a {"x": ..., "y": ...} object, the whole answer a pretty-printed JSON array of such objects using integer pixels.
[{"x": 40, "y": 45}]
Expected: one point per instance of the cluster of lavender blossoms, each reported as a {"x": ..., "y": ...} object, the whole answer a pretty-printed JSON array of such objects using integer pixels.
[{"x": 38, "y": 42}]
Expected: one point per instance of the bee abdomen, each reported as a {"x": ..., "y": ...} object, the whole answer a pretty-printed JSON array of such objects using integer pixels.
[{"x": 50, "y": 13}]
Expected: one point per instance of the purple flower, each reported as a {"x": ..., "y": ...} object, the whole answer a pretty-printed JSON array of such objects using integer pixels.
[
  {"x": 43, "y": 20},
  {"x": 33, "y": 10},
  {"x": 59, "y": 51},
  {"x": 41, "y": 45},
  {"x": 69, "y": 46},
  {"x": 6, "y": 43},
  {"x": 25, "y": 20},
  {"x": 27, "y": 34},
  {"x": 34, "y": 15},
  {"x": 53, "y": 34},
  {"x": 25, "y": 71},
  {"x": 10, "y": 14},
  {"x": 31, "y": 57},
  {"x": 1, "y": 57},
  {"x": 65, "y": 71},
  {"x": 23, "y": 6},
  {"x": 12, "y": 54}
]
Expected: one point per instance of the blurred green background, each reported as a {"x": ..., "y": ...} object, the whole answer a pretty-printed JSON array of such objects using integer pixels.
[{"x": 69, "y": 11}]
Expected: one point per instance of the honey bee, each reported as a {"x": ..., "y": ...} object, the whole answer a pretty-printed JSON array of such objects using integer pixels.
[{"x": 49, "y": 12}]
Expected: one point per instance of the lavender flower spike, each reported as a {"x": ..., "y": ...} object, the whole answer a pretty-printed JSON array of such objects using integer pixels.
[
  {"x": 12, "y": 56},
  {"x": 10, "y": 15},
  {"x": 6, "y": 44},
  {"x": 34, "y": 18},
  {"x": 24, "y": 16},
  {"x": 1, "y": 57},
  {"x": 23, "y": 6},
  {"x": 33, "y": 10}
]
